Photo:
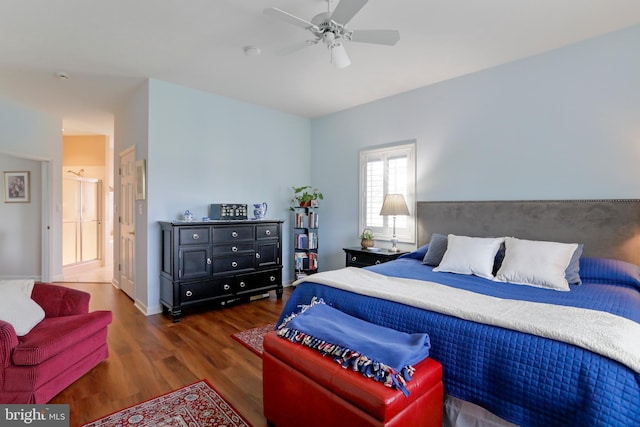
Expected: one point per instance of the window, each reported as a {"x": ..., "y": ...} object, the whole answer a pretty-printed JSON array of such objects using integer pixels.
[{"x": 386, "y": 170}]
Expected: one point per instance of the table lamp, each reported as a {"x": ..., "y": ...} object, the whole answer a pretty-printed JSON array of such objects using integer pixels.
[{"x": 394, "y": 204}]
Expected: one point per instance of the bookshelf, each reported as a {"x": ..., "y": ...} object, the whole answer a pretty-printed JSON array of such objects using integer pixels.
[{"x": 306, "y": 223}]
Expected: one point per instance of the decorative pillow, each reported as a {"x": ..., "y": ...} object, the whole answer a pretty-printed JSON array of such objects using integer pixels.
[
  {"x": 610, "y": 271},
  {"x": 536, "y": 263},
  {"x": 25, "y": 285},
  {"x": 437, "y": 248},
  {"x": 19, "y": 310},
  {"x": 417, "y": 254},
  {"x": 470, "y": 255},
  {"x": 572, "y": 272}
]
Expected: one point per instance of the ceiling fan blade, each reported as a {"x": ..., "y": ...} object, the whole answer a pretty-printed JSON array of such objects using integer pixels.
[
  {"x": 346, "y": 10},
  {"x": 387, "y": 37},
  {"x": 286, "y": 16},
  {"x": 295, "y": 47},
  {"x": 339, "y": 56}
]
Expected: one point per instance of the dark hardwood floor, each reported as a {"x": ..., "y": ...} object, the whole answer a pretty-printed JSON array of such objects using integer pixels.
[{"x": 149, "y": 356}]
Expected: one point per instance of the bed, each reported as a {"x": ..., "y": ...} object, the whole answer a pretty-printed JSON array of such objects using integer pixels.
[{"x": 513, "y": 353}]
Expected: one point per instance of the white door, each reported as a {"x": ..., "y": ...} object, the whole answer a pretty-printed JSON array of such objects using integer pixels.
[{"x": 127, "y": 222}]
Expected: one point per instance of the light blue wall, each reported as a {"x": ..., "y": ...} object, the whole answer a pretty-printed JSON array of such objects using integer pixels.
[
  {"x": 204, "y": 148},
  {"x": 132, "y": 130},
  {"x": 27, "y": 140},
  {"x": 564, "y": 124}
]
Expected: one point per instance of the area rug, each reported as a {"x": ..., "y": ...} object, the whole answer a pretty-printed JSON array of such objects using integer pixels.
[
  {"x": 196, "y": 405},
  {"x": 252, "y": 338}
]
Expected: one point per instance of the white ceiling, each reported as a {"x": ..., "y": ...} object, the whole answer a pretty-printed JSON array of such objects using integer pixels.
[{"x": 109, "y": 47}]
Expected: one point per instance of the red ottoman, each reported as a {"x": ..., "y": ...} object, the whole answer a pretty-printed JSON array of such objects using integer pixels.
[{"x": 303, "y": 388}]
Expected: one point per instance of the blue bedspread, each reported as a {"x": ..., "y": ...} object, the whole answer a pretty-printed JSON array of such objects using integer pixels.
[{"x": 525, "y": 379}]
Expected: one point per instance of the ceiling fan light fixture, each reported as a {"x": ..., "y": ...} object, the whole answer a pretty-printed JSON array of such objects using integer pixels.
[
  {"x": 339, "y": 56},
  {"x": 330, "y": 29}
]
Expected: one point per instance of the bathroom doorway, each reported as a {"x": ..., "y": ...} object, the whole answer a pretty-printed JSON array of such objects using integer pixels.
[{"x": 87, "y": 208}]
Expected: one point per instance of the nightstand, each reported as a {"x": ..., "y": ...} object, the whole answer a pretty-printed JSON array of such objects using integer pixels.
[{"x": 358, "y": 257}]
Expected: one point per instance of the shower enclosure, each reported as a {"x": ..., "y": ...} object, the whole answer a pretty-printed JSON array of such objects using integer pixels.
[{"x": 81, "y": 220}]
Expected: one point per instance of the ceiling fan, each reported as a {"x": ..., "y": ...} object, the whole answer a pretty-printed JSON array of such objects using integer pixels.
[{"x": 330, "y": 29}]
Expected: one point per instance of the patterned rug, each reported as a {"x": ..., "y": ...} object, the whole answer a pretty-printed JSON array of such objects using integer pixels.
[
  {"x": 252, "y": 338},
  {"x": 196, "y": 405}
]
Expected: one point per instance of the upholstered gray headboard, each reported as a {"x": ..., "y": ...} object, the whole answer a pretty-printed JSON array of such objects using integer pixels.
[{"x": 607, "y": 228}]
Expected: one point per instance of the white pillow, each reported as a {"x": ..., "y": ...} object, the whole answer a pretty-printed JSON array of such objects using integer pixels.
[
  {"x": 19, "y": 310},
  {"x": 25, "y": 285},
  {"x": 470, "y": 255},
  {"x": 536, "y": 263}
]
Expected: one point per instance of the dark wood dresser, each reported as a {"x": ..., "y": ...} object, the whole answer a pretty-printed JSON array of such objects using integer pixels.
[{"x": 218, "y": 262}]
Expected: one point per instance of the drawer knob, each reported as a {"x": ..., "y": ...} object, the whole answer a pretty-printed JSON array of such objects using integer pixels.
[
  {"x": 377, "y": 261},
  {"x": 195, "y": 236},
  {"x": 234, "y": 249},
  {"x": 257, "y": 255},
  {"x": 268, "y": 232},
  {"x": 353, "y": 259},
  {"x": 234, "y": 234},
  {"x": 272, "y": 278},
  {"x": 242, "y": 284},
  {"x": 189, "y": 293},
  {"x": 226, "y": 287},
  {"x": 234, "y": 264},
  {"x": 209, "y": 261}
]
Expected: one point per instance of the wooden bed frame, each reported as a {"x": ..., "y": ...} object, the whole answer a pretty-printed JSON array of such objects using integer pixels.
[{"x": 607, "y": 228}]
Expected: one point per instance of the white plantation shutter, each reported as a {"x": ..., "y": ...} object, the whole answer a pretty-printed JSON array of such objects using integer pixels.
[{"x": 382, "y": 171}]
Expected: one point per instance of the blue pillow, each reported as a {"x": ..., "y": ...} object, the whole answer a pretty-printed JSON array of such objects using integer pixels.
[
  {"x": 437, "y": 248},
  {"x": 572, "y": 272},
  {"x": 609, "y": 271},
  {"x": 417, "y": 254}
]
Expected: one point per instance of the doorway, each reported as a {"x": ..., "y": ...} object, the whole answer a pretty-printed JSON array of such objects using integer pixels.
[{"x": 87, "y": 209}]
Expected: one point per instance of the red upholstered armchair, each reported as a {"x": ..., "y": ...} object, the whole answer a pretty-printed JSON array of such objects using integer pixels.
[{"x": 65, "y": 345}]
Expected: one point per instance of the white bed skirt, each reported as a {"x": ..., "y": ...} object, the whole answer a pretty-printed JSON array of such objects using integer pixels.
[{"x": 458, "y": 413}]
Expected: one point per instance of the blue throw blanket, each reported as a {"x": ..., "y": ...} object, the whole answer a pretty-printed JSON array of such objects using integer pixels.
[{"x": 378, "y": 352}]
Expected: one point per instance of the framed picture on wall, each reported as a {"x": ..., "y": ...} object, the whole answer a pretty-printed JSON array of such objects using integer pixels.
[
  {"x": 140, "y": 179},
  {"x": 16, "y": 187}
]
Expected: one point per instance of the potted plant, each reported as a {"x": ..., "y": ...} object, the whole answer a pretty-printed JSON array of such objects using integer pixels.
[
  {"x": 305, "y": 196},
  {"x": 367, "y": 239}
]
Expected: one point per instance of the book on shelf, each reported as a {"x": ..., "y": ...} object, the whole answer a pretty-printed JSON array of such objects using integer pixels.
[
  {"x": 313, "y": 261},
  {"x": 313, "y": 219},
  {"x": 300, "y": 219},
  {"x": 302, "y": 241},
  {"x": 301, "y": 260},
  {"x": 312, "y": 240}
]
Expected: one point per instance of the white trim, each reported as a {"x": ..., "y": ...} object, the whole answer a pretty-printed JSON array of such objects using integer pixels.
[{"x": 46, "y": 244}]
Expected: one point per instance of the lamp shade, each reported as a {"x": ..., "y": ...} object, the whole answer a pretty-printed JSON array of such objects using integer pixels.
[
  {"x": 394, "y": 204},
  {"x": 339, "y": 56}
]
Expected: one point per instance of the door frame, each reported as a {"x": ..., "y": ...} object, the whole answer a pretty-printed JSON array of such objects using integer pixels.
[{"x": 46, "y": 243}]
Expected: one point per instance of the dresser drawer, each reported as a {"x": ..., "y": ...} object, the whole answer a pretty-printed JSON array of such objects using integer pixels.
[
  {"x": 232, "y": 248},
  {"x": 227, "y": 264},
  {"x": 198, "y": 291},
  {"x": 357, "y": 257},
  {"x": 232, "y": 233},
  {"x": 265, "y": 280},
  {"x": 361, "y": 259},
  {"x": 267, "y": 231},
  {"x": 194, "y": 236}
]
